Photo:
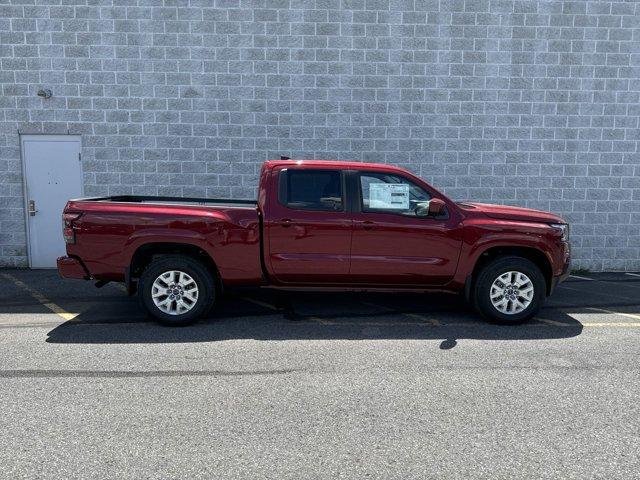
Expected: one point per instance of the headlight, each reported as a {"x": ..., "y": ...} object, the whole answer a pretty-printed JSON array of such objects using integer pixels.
[{"x": 564, "y": 228}]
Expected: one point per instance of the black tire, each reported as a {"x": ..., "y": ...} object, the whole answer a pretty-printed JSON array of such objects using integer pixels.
[
  {"x": 206, "y": 293},
  {"x": 500, "y": 266}
]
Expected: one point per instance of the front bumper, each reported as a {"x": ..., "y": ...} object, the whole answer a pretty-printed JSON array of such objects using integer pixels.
[
  {"x": 566, "y": 269},
  {"x": 558, "y": 279},
  {"x": 69, "y": 267}
]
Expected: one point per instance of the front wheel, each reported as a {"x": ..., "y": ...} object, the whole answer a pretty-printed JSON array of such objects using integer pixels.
[
  {"x": 510, "y": 290},
  {"x": 177, "y": 290}
]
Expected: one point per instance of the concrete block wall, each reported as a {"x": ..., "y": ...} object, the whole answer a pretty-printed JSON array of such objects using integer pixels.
[{"x": 522, "y": 102}]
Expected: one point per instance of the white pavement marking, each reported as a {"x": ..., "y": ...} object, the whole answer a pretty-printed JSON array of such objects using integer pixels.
[
  {"x": 581, "y": 277},
  {"x": 595, "y": 293},
  {"x": 624, "y": 314},
  {"x": 58, "y": 310},
  {"x": 633, "y": 274}
]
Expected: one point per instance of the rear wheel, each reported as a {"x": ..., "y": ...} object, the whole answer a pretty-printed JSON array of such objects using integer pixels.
[
  {"x": 176, "y": 290},
  {"x": 509, "y": 290}
]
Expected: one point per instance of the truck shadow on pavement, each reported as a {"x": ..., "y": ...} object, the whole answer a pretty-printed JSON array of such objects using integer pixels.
[{"x": 279, "y": 316}]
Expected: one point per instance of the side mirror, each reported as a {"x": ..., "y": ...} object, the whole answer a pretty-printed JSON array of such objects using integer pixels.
[
  {"x": 432, "y": 208},
  {"x": 422, "y": 210},
  {"x": 436, "y": 207}
]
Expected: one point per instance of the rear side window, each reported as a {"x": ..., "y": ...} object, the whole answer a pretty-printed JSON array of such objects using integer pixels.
[{"x": 311, "y": 189}]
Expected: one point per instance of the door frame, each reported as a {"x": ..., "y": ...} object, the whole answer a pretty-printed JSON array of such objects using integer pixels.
[{"x": 25, "y": 189}]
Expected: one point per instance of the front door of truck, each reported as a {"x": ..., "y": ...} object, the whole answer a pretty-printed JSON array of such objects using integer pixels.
[
  {"x": 391, "y": 243},
  {"x": 308, "y": 228}
]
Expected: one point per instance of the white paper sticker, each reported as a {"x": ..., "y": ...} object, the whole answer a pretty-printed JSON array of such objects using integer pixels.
[{"x": 389, "y": 196}]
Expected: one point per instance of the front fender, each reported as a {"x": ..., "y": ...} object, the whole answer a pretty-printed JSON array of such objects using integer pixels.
[{"x": 479, "y": 240}]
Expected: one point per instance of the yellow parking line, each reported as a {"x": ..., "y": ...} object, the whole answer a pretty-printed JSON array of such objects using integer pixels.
[
  {"x": 426, "y": 320},
  {"x": 57, "y": 309},
  {"x": 612, "y": 324},
  {"x": 628, "y": 315},
  {"x": 322, "y": 321},
  {"x": 544, "y": 321},
  {"x": 375, "y": 305},
  {"x": 588, "y": 324},
  {"x": 415, "y": 316},
  {"x": 553, "y": 322}
]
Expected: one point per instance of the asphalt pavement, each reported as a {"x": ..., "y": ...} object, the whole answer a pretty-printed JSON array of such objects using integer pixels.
[{"x": 317, "y": 385}]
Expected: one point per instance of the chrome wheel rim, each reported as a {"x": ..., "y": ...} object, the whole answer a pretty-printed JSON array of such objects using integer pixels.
[
  {"x": 511, "y": 292},
  {"x": 174, "y": 292}
]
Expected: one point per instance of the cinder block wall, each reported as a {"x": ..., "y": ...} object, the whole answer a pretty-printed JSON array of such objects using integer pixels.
[{"x": 532, "y": 103}]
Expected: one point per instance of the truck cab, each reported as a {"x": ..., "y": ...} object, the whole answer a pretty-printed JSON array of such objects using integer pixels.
[{"x": 358, "y": 224}]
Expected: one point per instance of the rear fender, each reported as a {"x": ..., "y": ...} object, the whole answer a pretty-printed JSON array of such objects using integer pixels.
[{"x": 186, "y": 237}]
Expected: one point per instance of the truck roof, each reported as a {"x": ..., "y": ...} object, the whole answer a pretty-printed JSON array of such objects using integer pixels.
[{"x": 334, "y": 163}]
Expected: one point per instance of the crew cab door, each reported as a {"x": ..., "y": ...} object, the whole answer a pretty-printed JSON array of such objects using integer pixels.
[
  {"x": 307, "y": 226},
  {"x": 391, "y": 244}
]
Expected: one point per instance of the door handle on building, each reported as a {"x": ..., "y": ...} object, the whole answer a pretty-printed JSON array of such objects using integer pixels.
[{"x": 32, "y": 208}]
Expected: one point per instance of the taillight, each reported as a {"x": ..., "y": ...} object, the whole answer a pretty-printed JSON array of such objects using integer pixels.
[{"x": 68, "y": 231}]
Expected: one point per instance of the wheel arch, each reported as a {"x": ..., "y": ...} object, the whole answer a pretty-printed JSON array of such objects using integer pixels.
[
  {"x": 535, "y": 255},
  {"x": 147, "y": 252}
]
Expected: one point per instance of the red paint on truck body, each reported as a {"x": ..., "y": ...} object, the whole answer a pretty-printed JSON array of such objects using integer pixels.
[{"x": 268, "y": 243}]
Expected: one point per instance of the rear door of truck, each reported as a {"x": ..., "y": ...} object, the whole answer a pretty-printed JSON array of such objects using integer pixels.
[{"x": 308, "y": 227}]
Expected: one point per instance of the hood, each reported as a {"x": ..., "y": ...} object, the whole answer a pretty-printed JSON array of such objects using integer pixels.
[{"x": 505, "y": 212}]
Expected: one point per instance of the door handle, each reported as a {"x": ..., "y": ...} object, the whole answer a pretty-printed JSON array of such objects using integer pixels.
[
  {"x": 285, "y": 222},
  {"x": 368, "y": 224},
  {"x": 32, "y": 208}
]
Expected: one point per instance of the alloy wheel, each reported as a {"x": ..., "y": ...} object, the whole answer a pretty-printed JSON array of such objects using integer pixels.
[{"x": 511, "y": 292}]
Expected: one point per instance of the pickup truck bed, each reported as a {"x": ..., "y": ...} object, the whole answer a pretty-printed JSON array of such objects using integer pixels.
[
  {"x": 208, "y": 202},
  {"x": 114, "y": 236}
]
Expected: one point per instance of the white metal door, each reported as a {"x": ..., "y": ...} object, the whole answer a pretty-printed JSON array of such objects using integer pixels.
[{"x": 52, "y": 175}]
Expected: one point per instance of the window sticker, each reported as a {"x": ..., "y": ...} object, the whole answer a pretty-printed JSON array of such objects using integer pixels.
[{"x": 389, "y": 196}]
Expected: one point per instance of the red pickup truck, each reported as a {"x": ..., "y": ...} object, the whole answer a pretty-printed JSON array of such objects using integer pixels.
[{"x": 318, "y": 225}]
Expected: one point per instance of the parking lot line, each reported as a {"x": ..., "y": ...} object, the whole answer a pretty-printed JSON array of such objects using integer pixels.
[
  {"x": 610, "y": 295},
  {"x": 260, "y": 303},
  {"x": 611, "y": 324},
  {"x": 581, "y": 277},
  {"x": 375, "y": 305},
  {"x": 624, "y": 314},
  {"x": 553, "y": 322},
  {"x": 57, "y": 309},
  {"x": 427, "y": 320},
  {"x": 633, "y": 274},
  {"x": 321, "y": 321},
  {"x": 415, "y": 316}
]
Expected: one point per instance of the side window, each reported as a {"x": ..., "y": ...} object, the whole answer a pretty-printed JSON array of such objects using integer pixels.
[
  {"x": 311, "y": 189},
  {"x": 386, "y": 193}
]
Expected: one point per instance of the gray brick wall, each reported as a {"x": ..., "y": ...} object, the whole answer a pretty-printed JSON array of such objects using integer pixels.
[{"x": 533, "y": 103}]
